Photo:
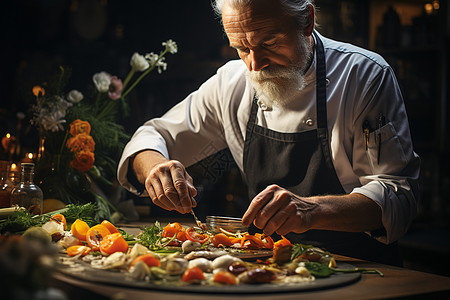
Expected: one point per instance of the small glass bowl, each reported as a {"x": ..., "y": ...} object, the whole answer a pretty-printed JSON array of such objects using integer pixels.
[{"x": 230, "y": 224}]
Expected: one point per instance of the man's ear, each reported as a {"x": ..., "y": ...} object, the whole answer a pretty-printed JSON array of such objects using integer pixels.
[{"x": 310, "y": 27}]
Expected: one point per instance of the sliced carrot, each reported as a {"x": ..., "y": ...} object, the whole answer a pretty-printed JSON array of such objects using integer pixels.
[
  {"x": 110, "y": 226},
  {"x": 79, "y": 229},
  {"x": 283, "y": 242},
  {"x": 266, "y": 239},
  {"x": 59, "y": 218},
  {"x": 77, "y": 249},
  {"x": 181, "y": 236},
  {"x": 149, "y": 259},
  {"x": 112, "y": 243},
  {"x": 95, "y": 235}
]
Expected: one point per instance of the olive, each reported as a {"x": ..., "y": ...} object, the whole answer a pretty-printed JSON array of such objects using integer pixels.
[
  {"x": 237, "y": 267},
  {"x": 261, "y": 275}
]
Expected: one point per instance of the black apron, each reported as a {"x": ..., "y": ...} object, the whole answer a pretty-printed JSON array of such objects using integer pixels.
[{"x": 301, "y": 162}]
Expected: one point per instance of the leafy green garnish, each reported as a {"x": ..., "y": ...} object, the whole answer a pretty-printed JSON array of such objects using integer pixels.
[
  {"x": 322, "y": 270},
  {"x": 299, "y": 249},
  {"x": 128, "y": 237},
  {"x": 86, "y": 212},
  {"x": 150, "y": 236},
  {"x": 21, "y": 220}
]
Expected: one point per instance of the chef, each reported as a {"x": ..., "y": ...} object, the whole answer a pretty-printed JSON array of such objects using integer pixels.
[{"x": 317, "y": 127}]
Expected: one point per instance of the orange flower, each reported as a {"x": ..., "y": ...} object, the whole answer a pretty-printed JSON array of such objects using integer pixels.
[
  {"x": 81, "y": 142},
  {"x": 38, "y": 91},
  {"x": 78, "y": 127},
  {"x": 83, "y": 161}
]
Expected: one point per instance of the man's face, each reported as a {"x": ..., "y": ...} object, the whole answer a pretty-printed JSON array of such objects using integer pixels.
[{"x": 271, "y": 46}]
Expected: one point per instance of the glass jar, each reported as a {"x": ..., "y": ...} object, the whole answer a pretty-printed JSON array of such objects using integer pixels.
[
  {"x": 230, "y": 224},
  {"x": 26, "y": 193},
  {"x": 6, "y": 185}
]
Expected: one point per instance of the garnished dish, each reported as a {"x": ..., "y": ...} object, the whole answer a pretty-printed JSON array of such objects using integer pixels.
[{"x": 178, "y": 257}]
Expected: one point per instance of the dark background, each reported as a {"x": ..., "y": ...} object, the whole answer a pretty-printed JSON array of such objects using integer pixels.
[{"x": 100, "y": 35}]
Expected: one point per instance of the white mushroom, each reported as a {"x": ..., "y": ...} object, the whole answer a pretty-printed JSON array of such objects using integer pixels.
[
  {"x": 189, "y": 246},
  {"x": 139, "y": 270},
  {"x": 207, "y": 254},
  {"x": 176, "y": 266},
  {"x": 136, "y": 251},
  {"x": 115, "y": 260},
  {"x": 201, "y": 262},
  {"x": 224, "y": 261}
]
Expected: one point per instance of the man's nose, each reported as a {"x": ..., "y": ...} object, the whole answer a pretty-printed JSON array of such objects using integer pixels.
[{"x": 257, "y": 61}]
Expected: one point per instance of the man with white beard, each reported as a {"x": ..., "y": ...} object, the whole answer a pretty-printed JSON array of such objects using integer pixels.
[{"x": 317, "y": 127}]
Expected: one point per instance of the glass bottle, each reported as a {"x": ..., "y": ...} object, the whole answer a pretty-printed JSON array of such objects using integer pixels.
[
  {"x": 6, "y": 185},
  {"x": 26, "y": 193}
]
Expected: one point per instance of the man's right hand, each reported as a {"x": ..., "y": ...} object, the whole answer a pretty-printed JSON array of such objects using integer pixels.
[{"x": 166, "y": 181}]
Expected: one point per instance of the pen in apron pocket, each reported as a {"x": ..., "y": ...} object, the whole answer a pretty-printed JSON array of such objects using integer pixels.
[{"x": 380, "y": 123}]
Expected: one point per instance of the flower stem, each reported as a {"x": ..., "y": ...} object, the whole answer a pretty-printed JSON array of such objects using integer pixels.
[
  {"x": 144, "y": 73},
  {"x": 129, "y": 76}
]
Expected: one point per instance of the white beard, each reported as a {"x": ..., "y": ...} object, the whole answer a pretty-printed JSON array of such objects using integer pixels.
[{"x": 279, "y": 85}]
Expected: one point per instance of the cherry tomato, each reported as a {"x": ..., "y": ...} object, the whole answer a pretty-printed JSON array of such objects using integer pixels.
[
  {"x": 149, "y": 259},
  {"x": 59, "y": 218},
  {"x": 194, "y": 236},
  {"x": 193, "y": 274},
  {"x": 113, "y": 243},
  {"x": 221, "y": 239},
  {"x": 225, "y": 277},
  {"x": 110, "y": 226},
  {"x": 172, "y": 229},
  {"x": 79, "y": 229},
  {"x": 181, "y": 236},
  {"x": 95, "y": 235}
]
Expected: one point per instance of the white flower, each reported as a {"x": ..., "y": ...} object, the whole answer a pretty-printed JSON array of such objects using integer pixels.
[
  {"x": 151, "y": 58},
  {"x": 75, "y": 96},
  {"x": 102, "y": 81},
  {"x": 52, "y": 121},
  {"x": 138, "y": 62},
  {"x": 161, "y": 64},
  {"x": 171, "y": 46}
]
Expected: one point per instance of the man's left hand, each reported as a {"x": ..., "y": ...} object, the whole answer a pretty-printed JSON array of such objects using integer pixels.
[{"x": 276, "y": 209}]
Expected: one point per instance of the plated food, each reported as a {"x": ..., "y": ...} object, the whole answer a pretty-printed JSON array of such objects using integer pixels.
[{"x": 181, "y": 257}]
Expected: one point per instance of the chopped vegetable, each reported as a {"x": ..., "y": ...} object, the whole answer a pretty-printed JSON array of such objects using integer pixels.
[
  {"x": 321, "y": 270},
  {"x": 79, "y": 229},
  {"x": 193, "y": 274},
  {"x": 113, "y": 243},
  {"x": 110, "y": 226},
  {"x": 59, "y": 218},
  {"x": 195, "y": 236},
  {"x": 95, "y": 235},
  {"x": 78, "y": 250},
  {"x": 221, "y": 239},
  {"x": 149, "y": 259},
  {"x": 225, "y": 277}
]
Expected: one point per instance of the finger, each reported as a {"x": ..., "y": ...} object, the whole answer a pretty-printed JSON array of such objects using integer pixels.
[
  {"x": 159, "y": 180},
  {"x": 257, "y": 203},
  {"x": 279, "y": 220},
  {"x": 181, "y": 187},
  {"x": 154, "y": 195},
  {"x": 266, "y": 216},
  {"x": 287, "y": 226}
]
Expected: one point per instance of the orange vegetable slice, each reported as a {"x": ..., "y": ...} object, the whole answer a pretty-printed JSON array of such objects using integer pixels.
[
  {"x": 221, "y": 239},
  {"x": 283, "y": 242},
  {"x": 78, "y": 250},
  {"x": 225, "y": 277},
  {"x": 251, "y": 242},
  {"x": 95, "y": 235},
  {"x": 195, "y": 236},
  {"x": 172, "y": 229},
  {"x": 149, "y": 259},
  {"x": 181, "y": 236},
  {"x": 267, "y": 240},
  {"x": 59, "y": 218},
  {"x": 112, "y": 243},
  {"x": 193, "y": 274},
  {"x": 110, "y": 226},
  {"x": 79, "y": 229}
]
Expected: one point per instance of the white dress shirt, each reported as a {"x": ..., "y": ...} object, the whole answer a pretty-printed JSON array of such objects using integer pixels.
[{"x": 360, "y": 86}]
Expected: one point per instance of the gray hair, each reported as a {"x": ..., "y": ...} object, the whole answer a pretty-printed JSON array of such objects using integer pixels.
[{"x": 298, "y": 9}]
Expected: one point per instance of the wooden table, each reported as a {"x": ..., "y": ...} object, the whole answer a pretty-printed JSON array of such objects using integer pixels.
[{"x": 396, "y": 283}]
